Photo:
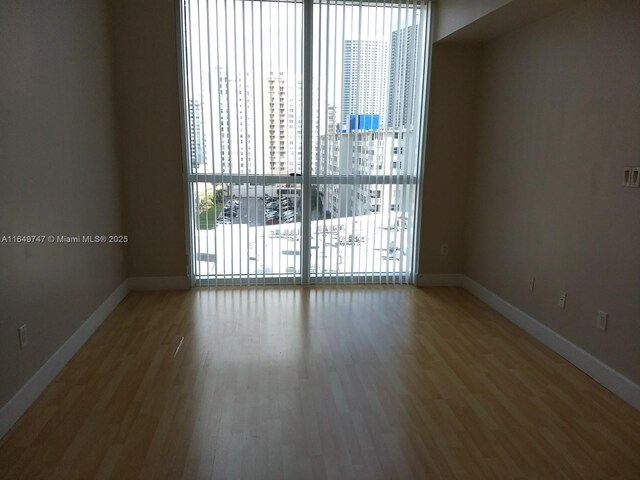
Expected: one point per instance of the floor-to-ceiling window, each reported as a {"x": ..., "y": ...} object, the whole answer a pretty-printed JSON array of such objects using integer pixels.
[{"x": 304, "y": 132}]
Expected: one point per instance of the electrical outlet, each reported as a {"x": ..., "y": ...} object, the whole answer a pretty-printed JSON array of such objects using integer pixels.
[
  {"x": 532, "y": 283},
  {"x": 601, "y": 324},
  {"x": 444, "y": 249},
  {"x": 22, "y": 336},
  {"x": 562, "y": 299}
]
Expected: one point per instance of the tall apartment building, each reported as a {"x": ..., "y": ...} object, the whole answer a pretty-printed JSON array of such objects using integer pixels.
[
  {"x": 331, "y": 119},
  {"x": 327, "y": 129},
  {"x": 234, "y": 151},
  {"x": 271, "y": 143},
  {"x": 402, "y": 70},
  {"x": 197, "y": 150},
  {"x": 283, "y": 125},
  {"x": 362, "y": 153},
  {"x": 372, "y": 150},
  {"x": 364, "y": 64}
]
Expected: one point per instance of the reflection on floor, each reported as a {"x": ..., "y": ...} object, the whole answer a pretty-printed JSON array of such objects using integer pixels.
[{"x": 338, "y": 383}]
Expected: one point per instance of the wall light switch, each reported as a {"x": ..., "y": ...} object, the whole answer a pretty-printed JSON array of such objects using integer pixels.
[
  {"x": 626, "y": 176},
  {"x": 602, "y": 320},
  {"x": 22, "y": 336},
  {"x": 635, "y": 177}
]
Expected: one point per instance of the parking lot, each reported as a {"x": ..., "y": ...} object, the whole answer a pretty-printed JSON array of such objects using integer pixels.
[{"x": 257, "y": 211}]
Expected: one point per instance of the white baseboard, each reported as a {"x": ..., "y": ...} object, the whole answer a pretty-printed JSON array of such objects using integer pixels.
[
  {"x": 602, "y": 373},
  {"x": 14, "y": 408},
  {"x": 599, "y": 371},
  {"x": 440, "y": 279},
  {"x": 22, "y": 400},
  {"x": 159, "y": 283}
]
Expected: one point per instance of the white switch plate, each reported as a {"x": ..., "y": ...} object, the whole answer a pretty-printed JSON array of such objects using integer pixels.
[
  {"x": 22, "y": 336},
  {"x": 562, "y": 299},
  {"x": 602, "y": 320},
  {"x": 635, "y": 177},
  {"x": 626, "y": 176}
]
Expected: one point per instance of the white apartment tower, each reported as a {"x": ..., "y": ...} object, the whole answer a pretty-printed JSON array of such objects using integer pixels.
[
  {"x": 249, "y": 125},
  {"x": 196, "y": 134},
  {"x": 256, "y": 124},
  {"x": 364, "y": 70},
  {"x": 283, "y": 136},
  {"x": 234, "y": 150},
  {"x": 363, "y": 153},
  {"x": 402, "y": 72}
]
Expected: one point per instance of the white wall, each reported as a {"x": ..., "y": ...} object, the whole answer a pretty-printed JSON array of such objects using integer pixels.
[
  {"x": 145, "y": 63},
  {"x": 453, "y": 15},
  {"x": 455, "y": 71},
  {"x": 58, "y": 175},
  {"x": 558, "y": 118}
]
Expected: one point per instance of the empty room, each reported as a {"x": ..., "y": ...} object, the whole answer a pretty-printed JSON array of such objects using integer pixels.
[{"x": 319, "y": 239}]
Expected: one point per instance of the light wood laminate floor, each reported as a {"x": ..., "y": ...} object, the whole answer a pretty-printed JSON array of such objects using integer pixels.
[{"x": 354, "y": 382}]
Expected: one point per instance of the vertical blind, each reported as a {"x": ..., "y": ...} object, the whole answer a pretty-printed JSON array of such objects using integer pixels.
[{"x": 303, "y": 135}]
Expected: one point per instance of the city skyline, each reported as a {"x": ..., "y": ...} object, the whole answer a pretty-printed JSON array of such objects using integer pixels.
[
  {"x": 251, "y": 84},
  {"x": 277, "y": 127}
]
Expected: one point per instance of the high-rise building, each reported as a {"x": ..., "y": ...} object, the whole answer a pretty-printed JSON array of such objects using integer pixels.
[
  {"x": 245, "y": 139},
  {"x": 362, "y": 153},
  {"x": 364, "y": 64},
  {"x": 283, "y": 125},
  {"x": 235, "y": 123},
  {"x": 196, "y": 135},
  {"x": 402, "y": 72},
  {"x": 331, "y": 118}
]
